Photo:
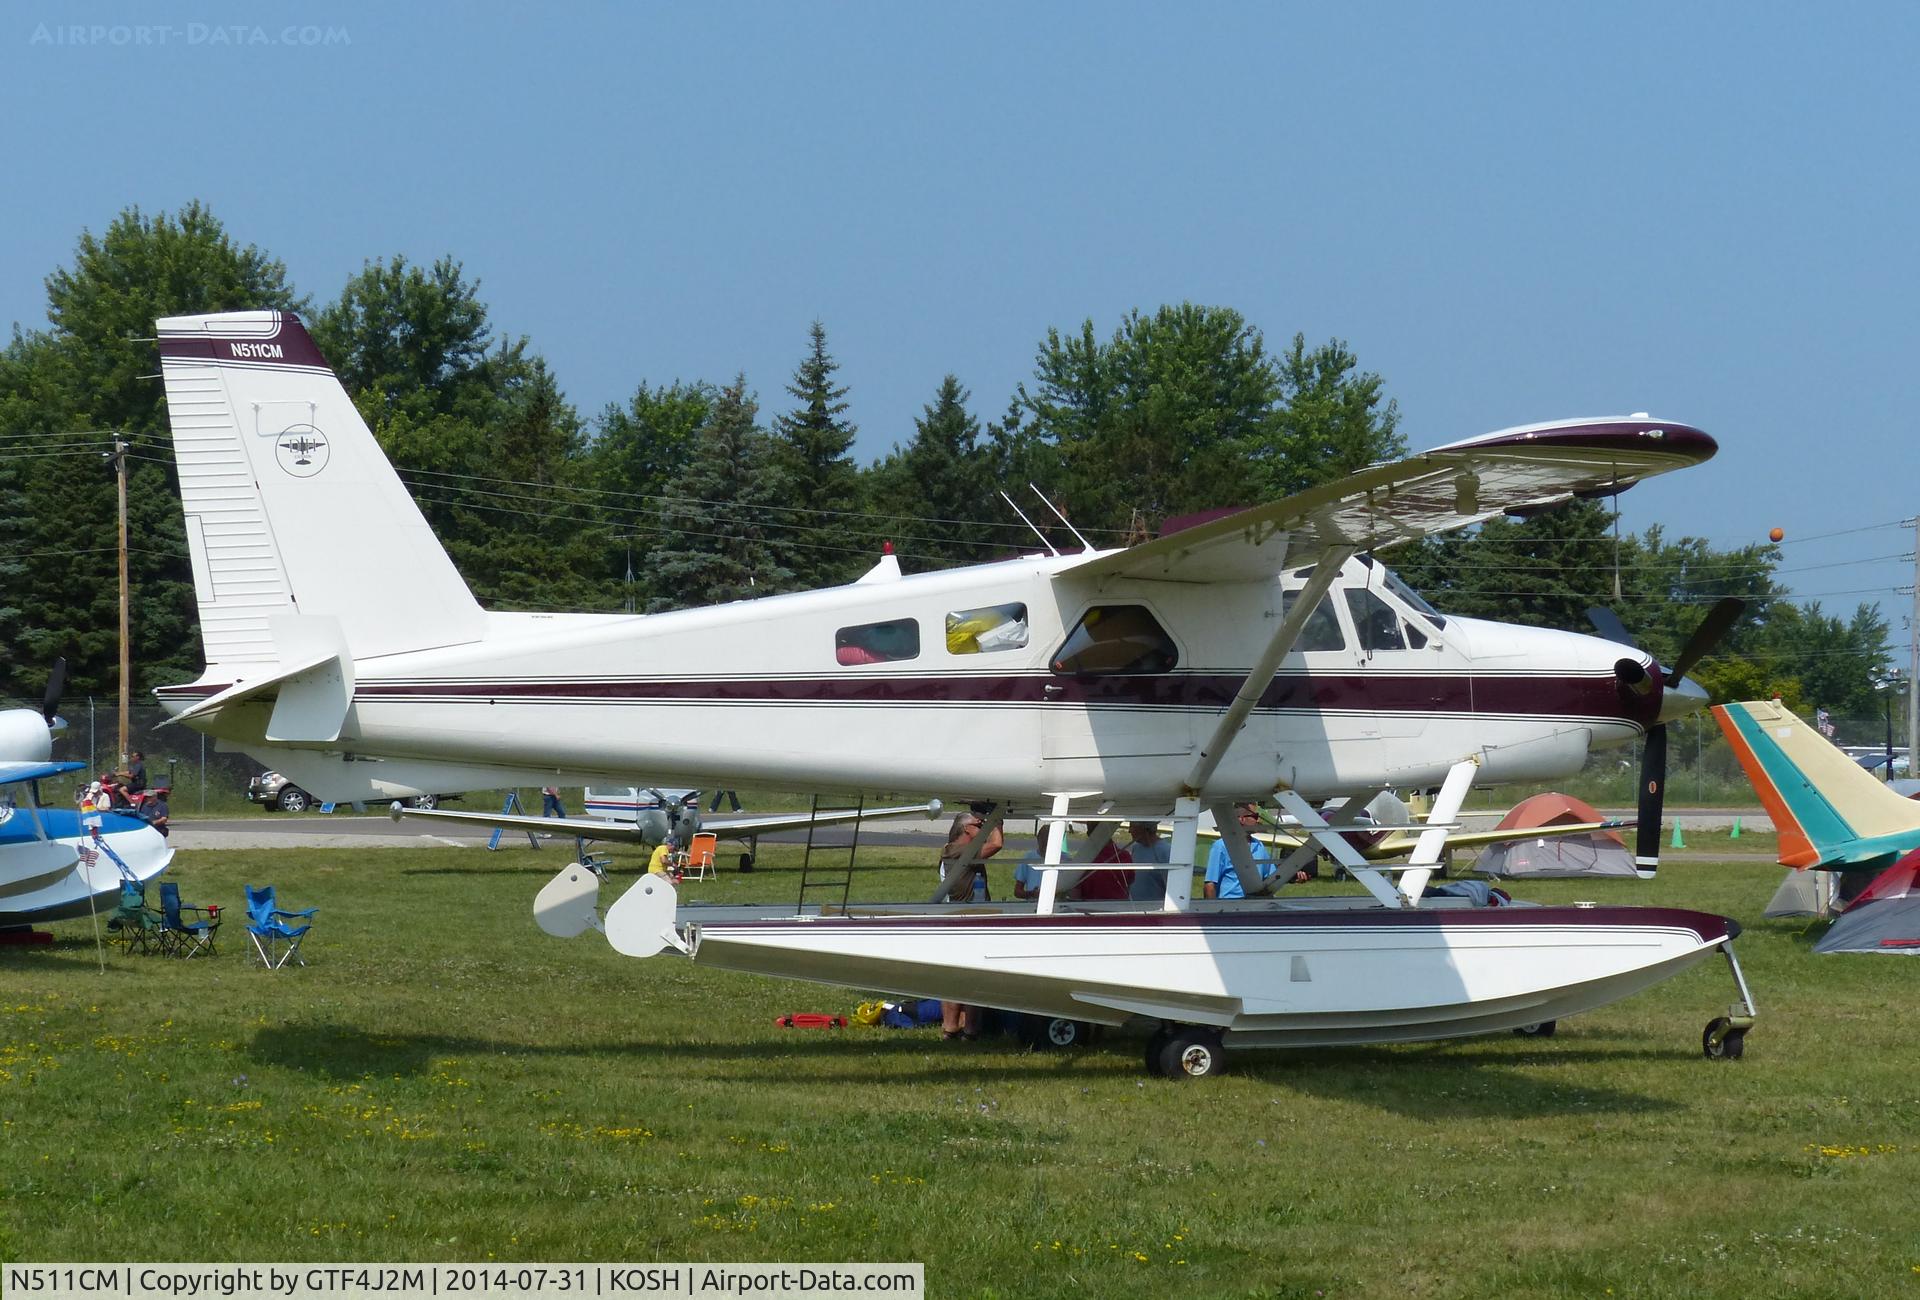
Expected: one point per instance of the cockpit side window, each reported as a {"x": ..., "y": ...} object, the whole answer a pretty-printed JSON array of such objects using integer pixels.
[
  {"x": 1374, "y": 621},
  {"x": 877, "y": 643},
  {"x": 1322, "y": 631},
  {"x": 1114, "y": 639}
]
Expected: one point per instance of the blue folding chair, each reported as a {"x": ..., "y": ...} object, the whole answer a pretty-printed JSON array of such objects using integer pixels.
[
  {"x": 190, "y": 931},
  {"x": 275, "y": 942}
]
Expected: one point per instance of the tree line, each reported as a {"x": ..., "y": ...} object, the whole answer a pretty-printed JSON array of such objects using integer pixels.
[{"x": 690, "y": 492}]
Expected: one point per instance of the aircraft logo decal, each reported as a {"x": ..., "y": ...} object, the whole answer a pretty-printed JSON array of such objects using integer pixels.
[{"x": 302, "y": 450}]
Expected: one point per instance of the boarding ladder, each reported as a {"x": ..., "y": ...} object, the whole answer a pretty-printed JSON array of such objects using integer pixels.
[{"x": 819, "y": 880}]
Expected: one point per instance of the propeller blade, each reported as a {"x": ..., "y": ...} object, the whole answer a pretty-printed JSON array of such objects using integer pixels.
[
  {"x": 1718, "y": 622},
  {"x": 1653, "y": 795},
  {"x": 56, "y": 685},
  {"x": 1608, "y": 624}
]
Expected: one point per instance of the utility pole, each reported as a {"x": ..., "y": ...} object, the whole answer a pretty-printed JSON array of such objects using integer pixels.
[
  {"x": 120, "y": 477},
  {"x": 1913, "y": 664}
]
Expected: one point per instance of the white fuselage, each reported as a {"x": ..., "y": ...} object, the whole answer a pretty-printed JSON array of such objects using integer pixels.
[{"x": 776, "y": 691}]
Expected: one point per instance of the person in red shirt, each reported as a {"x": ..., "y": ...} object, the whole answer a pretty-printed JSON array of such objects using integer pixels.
[{"x": 1100, "y": 886}]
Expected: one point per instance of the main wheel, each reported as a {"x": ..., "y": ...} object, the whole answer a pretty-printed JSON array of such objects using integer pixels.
[
  {"x": 746, "y": 862},
  {"x": 1055, "y": 1033},
  {"x": 1539, "y": 1029},
  {"x": 1721, "y": 1041},
  {"x": 1192, "y": 1053},
  {"x": 294, "y": 800}
]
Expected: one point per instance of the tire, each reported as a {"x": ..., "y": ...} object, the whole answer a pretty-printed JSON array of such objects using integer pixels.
[
  {"x": 746, "y": 862},
  {"x": 1539, "y": 1029},
  {"x": 1192, "y": 1053},
  {"x": 1720, "y": 1041},
  {"x": 293, "y": 799},
  {"x": 1055, "y": 1033},
  {"x": 427, "y": 802}
]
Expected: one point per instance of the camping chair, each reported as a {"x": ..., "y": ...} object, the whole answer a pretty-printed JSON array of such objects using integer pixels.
[
  {"x": 187, "y": 936},
  {"x": 700, "y": 854},
  {"x": 133, "y": 925},
  {"x": 275, "y": 942}
]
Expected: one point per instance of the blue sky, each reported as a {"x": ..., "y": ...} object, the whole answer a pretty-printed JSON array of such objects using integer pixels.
[{"x": 1511, "y": 212}]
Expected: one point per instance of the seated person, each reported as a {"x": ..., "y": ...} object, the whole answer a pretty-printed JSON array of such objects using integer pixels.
[{"x": 1222, "y": 880}]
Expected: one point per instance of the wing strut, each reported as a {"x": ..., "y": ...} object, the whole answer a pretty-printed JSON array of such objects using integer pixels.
[{"x": 1260, "y": 676}]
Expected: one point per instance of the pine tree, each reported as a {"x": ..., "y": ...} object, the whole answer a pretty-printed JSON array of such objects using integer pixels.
[
  {"x": 813, "y": 444},
  {"x": 716, "y": 542},
  {"x": 927, "y": 493},
  {"x": 90, "y": 371}
]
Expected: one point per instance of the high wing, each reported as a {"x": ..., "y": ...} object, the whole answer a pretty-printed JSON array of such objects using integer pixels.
[
  {"x": 1462, "y": 483},
  {"x": 14, "y": 773},
  {"x": 727, "y": 828}
]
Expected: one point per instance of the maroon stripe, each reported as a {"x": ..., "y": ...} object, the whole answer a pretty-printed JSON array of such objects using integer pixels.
[
  {"x": 1595, "y": 697},
  {"x": 290, "y": 345},
  {"x": 1704, "y": 924},
  {"x": 1680, "y": 440}
]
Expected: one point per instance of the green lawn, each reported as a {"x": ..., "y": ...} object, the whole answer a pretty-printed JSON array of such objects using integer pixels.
[{"x": 444, "y": 1082}]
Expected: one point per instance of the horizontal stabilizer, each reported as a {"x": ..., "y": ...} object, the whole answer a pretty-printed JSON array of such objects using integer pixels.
[{"x": 254, "y": 688}]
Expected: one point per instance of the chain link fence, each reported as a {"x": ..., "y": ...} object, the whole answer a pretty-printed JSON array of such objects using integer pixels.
[{"x": 202, "y": 778}]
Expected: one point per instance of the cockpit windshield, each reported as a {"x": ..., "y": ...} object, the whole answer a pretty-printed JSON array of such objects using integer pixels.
[
  {"x": 1402, "y": 592},
  {"x": 1409, "y": 597}
]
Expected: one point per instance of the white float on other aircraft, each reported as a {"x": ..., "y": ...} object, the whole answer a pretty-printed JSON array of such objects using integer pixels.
[
  {"x": 1263, "y": 654},
  {"x": 59, "y": 863}
]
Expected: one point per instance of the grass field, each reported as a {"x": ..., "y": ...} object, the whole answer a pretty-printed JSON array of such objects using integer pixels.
[{"x": 444, "y": 1082}]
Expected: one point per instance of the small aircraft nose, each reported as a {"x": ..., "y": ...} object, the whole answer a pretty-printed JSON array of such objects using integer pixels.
[{"x": 1681, "y": 698}]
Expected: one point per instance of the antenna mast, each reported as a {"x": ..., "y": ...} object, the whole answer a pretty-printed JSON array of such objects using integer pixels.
[
  {"x": 1028, "y": 522},
  {"x": 1085, "y": 545}
]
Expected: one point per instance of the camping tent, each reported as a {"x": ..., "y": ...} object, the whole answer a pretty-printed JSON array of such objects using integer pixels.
[
  {"x": 1593, "y": 853},
  {"x": 1884, "y": 918},
  {"x": 1802, "y": 893}
]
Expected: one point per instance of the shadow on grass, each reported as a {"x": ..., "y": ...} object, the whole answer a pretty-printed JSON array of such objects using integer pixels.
[
  {"x": 1441, "y": 1081},
  {"x": 1433, "y": 1082}
]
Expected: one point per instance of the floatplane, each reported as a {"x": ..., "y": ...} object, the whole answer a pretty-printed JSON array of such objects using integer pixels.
[
  {"x": 59, "y": 863},
  {"x": 1265, "y": 654}
]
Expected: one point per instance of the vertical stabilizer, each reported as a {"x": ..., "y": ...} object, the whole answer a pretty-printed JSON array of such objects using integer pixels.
[
  {"x": 292, "y": 510},
  {"x": 1828, "y": 810}
]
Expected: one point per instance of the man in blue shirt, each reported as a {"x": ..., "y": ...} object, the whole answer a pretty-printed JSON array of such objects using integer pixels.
[{"x": 1222, "y": 880}]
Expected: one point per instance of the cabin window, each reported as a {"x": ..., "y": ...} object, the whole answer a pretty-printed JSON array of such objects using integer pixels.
[
  {"x": 1374, "y": 621},
  {"x": 877, "y": 643},
  {"x": 987, "y": 630},
  {"x": 1112, "y": 639},
  {"x": 1322, "y": 631}
]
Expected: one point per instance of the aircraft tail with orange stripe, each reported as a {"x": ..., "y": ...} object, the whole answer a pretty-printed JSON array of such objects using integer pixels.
[{"x": 1830, "y": 812}]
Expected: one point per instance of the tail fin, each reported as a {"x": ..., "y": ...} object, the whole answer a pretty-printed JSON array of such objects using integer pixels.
[
  {"x": 291, "y": 506},
  {"x": 1828, "y": 810}
]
